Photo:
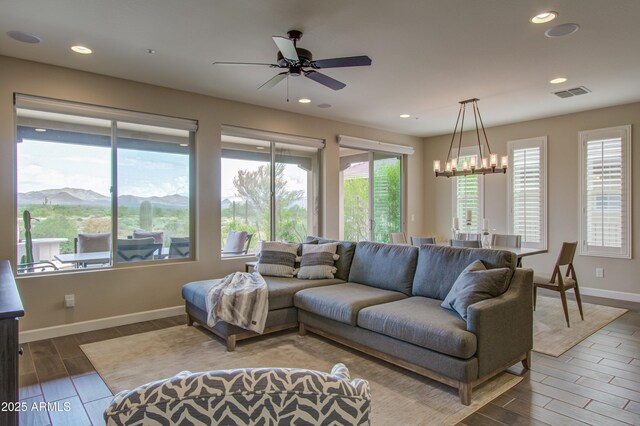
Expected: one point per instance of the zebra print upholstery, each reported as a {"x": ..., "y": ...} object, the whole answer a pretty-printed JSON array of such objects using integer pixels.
[{"x": 250, "y": 396}]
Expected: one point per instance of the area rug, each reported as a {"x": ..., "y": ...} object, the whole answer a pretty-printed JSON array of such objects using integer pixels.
[
  {"x": 398, "y": 396},
  {"x": 551, "y": 335}
]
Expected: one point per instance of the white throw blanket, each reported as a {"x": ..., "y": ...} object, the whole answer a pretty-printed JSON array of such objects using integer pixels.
[{"x": 241, "y": 299}]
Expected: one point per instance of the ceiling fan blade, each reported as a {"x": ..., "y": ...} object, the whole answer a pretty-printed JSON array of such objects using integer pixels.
[
  {"x": 287, "y": 48},
  {"x": 273, "y": 81},
  {"x": 351, "y": 61},
  {"x": 325, "y": 80},
  {"x": 245, "y": 63}
]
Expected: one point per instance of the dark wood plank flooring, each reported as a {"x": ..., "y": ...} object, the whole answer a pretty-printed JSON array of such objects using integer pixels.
[{"x": 597, "y": 382}]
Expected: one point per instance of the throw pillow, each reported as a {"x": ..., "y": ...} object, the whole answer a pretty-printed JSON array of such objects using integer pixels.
[
  {"x": 318, "y": 261},
  {"x": 277, "y": 259},
  {"x": 476, "y": 283}
]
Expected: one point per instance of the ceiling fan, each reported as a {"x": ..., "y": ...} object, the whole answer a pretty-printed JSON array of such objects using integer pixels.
[{"x": 295, "y": 59}]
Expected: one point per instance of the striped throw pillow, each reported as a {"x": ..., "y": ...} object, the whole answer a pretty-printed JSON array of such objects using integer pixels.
[
  {"x": 277, "y": 259},
  {"x": 318, "y": 261}
]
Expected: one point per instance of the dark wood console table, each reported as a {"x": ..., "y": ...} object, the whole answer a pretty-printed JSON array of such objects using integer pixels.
[{"x": 10, "y": 310}]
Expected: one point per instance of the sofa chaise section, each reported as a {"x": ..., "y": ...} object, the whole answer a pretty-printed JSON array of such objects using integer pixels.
[{"x": 281, "y": 316}]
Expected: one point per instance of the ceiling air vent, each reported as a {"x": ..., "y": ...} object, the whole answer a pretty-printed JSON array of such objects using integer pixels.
[{"x": 572, "y": 92}]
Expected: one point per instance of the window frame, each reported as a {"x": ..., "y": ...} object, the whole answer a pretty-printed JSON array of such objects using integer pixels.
[
  {"x": 115, "y": 116},
  {"x": 464, "y": 152},
  {"x": 535, "y": 142},
  {"x": 624, "y": 133},
  {"x": 276, "y": 141}
]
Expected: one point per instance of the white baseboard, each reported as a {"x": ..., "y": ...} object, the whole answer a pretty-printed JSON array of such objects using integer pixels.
[
  {"x": 97, "y": 324},
  {"x": 610, "y": 294}
]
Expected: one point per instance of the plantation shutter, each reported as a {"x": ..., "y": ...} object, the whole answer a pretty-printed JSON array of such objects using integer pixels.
[
  {"x": 606, "y": 197},
  {"x": 468, "y": 197},
  {"x": 527, "y": 191}
]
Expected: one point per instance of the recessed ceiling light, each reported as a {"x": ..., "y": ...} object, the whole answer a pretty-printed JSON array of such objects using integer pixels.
[
  {"x": 150, "y": 51},
  {"x": 184, "y": 144},
  {"x": 405, "y": 115},
  {"x": 562, "y": 30},
  {"x": 82, "y": 50},
  {"x": 40, "y": 130},
  {"x": 24, "y": 37},
  {"x": 304, "y": 100},
  {"x": 543, "y": 17},
  {"x": 558, "y": 80},
  {"x": 259, "y": 147}
]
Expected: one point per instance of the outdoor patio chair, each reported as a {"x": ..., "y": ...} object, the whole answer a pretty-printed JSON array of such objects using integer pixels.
[
  {"x": 136, "y": 250},
  {"x": 237, "y": 243},
  {"x": 179, "y": 247}
]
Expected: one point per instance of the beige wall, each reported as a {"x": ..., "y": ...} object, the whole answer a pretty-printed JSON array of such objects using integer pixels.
[
  {"x": 142, "y": 288},
  {"x": 621, "y": 275}
]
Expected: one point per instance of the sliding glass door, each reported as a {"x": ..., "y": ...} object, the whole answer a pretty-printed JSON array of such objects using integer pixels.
[{"x": 371, "y": 195}]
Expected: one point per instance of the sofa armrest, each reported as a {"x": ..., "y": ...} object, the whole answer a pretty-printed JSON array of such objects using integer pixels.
[{"x": 503, "y": 325}]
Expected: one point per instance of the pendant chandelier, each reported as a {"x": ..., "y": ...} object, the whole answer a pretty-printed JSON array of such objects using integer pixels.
[{"x": 485, "y": 162}]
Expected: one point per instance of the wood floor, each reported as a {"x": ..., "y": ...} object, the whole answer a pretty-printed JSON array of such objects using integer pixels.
[{"x": 596, "y": 383}]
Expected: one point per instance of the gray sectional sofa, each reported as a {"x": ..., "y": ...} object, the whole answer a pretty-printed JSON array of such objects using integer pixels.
[{"x": 386, "y": 301}]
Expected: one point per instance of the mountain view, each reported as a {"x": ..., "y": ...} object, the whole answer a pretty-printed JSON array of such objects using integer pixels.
[{"x": 84, "y": 197}]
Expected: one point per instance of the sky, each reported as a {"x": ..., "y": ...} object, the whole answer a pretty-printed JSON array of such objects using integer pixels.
[{"x": 46, "y": 165}]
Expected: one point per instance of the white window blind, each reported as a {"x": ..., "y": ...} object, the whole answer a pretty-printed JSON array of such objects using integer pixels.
[
  {"x": 527, "y": 194},
  {"x": 606, "y": 195},
  {"x": 468, "y": 195}
]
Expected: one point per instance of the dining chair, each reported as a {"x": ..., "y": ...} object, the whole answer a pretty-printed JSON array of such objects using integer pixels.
[
  {"x": 506, "y": 240},
  {"x": 418, "y": 241},
  {"x": 397, "y": 238},
  {"x": 179, "y": 247},
  {"x": 509, "y": 241},
  {"x": 136, "y": 249},
  {"x": 465, "y": 243},
  {"x": 237, "y": 243},
  {"x": 557, "y": 282},
  {"x": 469, "y": 236}
]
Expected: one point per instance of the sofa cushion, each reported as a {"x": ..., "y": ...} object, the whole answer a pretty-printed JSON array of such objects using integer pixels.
[
  {"x": 423, "y": 322},
  {"x": 345, "y": 251},
  {"x": 474, "y": 284},
  {"x": 342, "y": 302},
  {"x": 277, "y": 259},
  {"x": 386, "y": 266},
  {"x": 318, "y": 261},
  {"x": 246, "y": 396},
  {"x": 439, "y": 267},
  {"x": 281, "y": 290}
]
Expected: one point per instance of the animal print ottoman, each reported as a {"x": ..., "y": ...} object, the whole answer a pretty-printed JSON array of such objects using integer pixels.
[{"x": 250, "y": 396}]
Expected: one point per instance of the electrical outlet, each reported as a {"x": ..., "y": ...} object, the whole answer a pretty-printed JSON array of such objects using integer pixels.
[
  {"x": 69, "y": 300},
  {"x": 413, "y": 217},
  {"x": 599, "y": 272}
]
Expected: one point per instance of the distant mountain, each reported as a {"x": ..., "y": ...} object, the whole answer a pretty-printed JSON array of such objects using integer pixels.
[{"x": 85, "y": 197}]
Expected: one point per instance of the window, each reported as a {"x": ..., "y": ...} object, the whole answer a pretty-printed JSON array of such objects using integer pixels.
[
  {"x": 85, "y": 171},
  {"x": 468, "y": 195},
  {"x": 527, "y": 191},
  {"x": 269, "y": 186},
  {"x": 371, "y": 189},
  {"x": 605, "y": 219}
]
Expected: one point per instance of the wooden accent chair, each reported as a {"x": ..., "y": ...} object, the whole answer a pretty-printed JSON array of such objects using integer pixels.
[{"x": 557, "y": 283}]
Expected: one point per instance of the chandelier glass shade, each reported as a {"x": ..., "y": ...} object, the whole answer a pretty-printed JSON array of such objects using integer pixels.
[{"x": 485, "y": 162}]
